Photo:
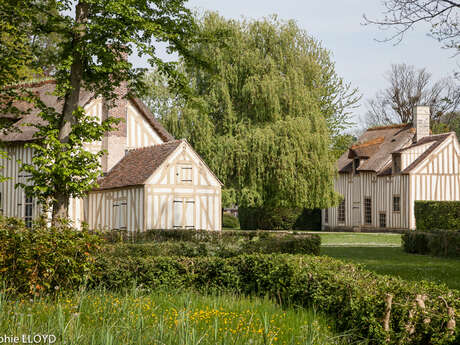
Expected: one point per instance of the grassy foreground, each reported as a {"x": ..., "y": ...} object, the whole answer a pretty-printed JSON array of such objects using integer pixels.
[
  {"x": 166, "y": 319},
  {"x": 383, "y": 254}
]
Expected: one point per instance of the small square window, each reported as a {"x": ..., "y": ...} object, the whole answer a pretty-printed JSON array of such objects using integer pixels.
[{"x": 184, "y": 174}]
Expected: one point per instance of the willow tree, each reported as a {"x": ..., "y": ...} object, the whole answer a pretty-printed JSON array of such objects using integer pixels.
[{"x": 264, "y": 115}]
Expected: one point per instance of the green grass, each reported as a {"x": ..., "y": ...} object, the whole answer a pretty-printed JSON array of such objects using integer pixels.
[
  {"x": 166, "y": 319},
  {"x": 345, "y": 239},
  {"x": 383, "y": 254}
]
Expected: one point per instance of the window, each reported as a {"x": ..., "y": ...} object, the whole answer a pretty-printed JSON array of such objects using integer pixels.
[
  {"x": 184, "y": 174},
  {"x": 326, "y": 215},
  {"x": 341, "y": 212},
  {"x": 356, "y": 162},
  {"x": 367, "y": 210},
  {"x": 184, "y": 210},
  {"x": 383, "y": 220},
  {"x": 396, "y": 203},
  {"x": 120, "y": 213},
  {"x": 28, "y": 208}
]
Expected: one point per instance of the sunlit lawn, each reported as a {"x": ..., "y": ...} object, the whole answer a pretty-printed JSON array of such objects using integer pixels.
[{"x": 382, "y": 253}]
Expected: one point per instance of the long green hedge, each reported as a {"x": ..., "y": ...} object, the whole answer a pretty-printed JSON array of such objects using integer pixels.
[
  {"x": 381, "y": 309},
  {"x": 437, "y": 215},
  {"x": 441, "y": 243}
]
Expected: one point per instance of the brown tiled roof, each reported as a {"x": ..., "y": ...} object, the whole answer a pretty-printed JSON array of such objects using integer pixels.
[
  {"x": 44, "y": 89},
  {"x": 366, "y": 149},
  {"x": 397, "y": 125},
  {"x": 437, "y": 140},
  {"x": 377, "y": 150},
  {"x": 137, "y": 166}
]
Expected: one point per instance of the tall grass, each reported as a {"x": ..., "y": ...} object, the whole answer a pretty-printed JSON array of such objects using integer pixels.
[{"x": 183, "y": 318}]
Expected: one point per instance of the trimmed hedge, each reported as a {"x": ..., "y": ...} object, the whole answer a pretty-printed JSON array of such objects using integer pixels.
[
  {"x": 230, "y": 221},
  {"x": 225, "y": 249},
  {"x": 41, "y": 259},
  {"x": 437, "y": 215},
  {"x": 279, "y": 218},
  {"x": 441, "y": 243},
  {"x": 381, "y": 309}
]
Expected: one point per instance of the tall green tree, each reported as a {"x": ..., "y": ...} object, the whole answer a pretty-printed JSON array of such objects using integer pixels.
[
  {"x": 93, "y": 37},
  {"x": 265, "y": 115}
]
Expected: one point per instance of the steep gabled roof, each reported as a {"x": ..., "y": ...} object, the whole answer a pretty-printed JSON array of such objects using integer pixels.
[
  {"x": 44, "y": 89},
  {"x": 376, "y": 146},
  {"x": 436, "y": 141},
  {"x": 137, "y": 166}
]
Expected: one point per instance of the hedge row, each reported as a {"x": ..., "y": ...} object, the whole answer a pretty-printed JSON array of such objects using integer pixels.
[
  {"x": 199, "y": 236},
  {"x": 384, "y": 310},
  {"x": 437, "y": 215},
  {"x": 42, "y": 259},
  {"x": 287, "y": 244},
  {"x": 442, "y": 243},
  {"x": 280, "y": 218}
]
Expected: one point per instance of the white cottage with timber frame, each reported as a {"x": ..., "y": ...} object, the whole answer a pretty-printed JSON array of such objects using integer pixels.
[
  {"x": 151, "y": 180},
  {"x": 388, "y": 169}
]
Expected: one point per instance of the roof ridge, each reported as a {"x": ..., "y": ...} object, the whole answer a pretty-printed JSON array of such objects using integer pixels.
[
  {"x": 155, "y": 145},
  {"x": 392, "y": 126},
  {"x": 32, "y": 84}
]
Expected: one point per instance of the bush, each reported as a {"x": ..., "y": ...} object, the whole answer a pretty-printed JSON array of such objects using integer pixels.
[
  {"x": 279, "y": 218},
  {"x": 267, "y": 244},
  {"x": 437, "y": 215},
  {"x": 43, "y": 259},
  {"x": 230, "y": 221},
  {"x": 441, "y": 243},
  {"x": 382, "y": 309}
]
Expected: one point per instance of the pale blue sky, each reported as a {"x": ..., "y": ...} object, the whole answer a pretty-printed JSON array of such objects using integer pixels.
[{"x": 359, "y": 58}]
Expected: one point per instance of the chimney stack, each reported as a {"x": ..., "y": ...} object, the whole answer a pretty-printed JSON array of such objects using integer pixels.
[{"x": 421, "y": 122}]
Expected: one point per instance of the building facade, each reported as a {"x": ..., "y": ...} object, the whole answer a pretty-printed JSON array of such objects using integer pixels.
[
  {"x": 388, "y": 169},
  {"x": 150, "y": 180}
]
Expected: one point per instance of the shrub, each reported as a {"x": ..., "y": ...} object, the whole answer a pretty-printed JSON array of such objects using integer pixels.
[
  {"x": 43, "y": 259},
  {"x": 442, "y": 243},
  {"x": 230, "y": 221},
  {"x": 437, "y": 215},
  {"x": 382, "y": 309},
  {"x": 279, "y": 218},
  {"x": 275, "y": 243}
]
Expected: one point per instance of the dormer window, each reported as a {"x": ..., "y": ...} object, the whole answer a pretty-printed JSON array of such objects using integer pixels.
[{"x": 356, "y": 162}]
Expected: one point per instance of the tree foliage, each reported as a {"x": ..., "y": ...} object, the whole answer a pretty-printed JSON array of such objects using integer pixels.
[
  {"x": 404, "y": 15},
  {"x": 407, "y": 88},
  {"x": 263, "y": 115},
  {"x": 90, "y": 53}
]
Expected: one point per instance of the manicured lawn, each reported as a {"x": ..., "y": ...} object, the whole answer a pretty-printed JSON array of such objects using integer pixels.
[
  {"x": 383, "y": 254},
  {"x": 360, "y": 239},
  {"x": 166, "y": 319}
]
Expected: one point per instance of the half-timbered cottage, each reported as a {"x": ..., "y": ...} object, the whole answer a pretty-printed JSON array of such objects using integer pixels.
[
  {"x": 388, "y": 169},
  {"x": 150, "y": 180}
]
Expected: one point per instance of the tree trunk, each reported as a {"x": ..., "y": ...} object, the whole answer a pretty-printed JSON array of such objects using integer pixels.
[
  {"x": 60, "y": 207},
  {"x": 71, "y": 99}
]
